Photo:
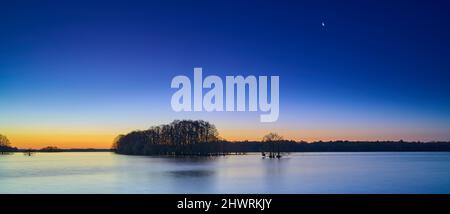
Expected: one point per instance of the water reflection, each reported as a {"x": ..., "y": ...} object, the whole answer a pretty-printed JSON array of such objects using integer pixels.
[
  {"x": 190, "y": 173},
  {"x": 275, "y": 166},
  {"x": 295, "y": 173}
]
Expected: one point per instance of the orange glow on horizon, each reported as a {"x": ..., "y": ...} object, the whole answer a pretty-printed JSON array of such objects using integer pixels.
[
  {"x": 65, "y": 141},
  {"x": 104, "y": 139}
]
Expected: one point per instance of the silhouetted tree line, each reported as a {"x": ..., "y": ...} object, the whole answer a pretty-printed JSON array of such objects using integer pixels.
[
  {"x": 188, "y": 137},
  {"x": 51, "y": 149},
  {"x": 286, "y": 146},
  {"x": 5, "y": 145}
]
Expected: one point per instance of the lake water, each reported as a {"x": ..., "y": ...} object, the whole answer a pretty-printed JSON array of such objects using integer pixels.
[{"x": 103, "y": 172}]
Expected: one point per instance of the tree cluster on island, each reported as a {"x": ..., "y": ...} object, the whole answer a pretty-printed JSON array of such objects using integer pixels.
[{"x": 181, "y": 137}]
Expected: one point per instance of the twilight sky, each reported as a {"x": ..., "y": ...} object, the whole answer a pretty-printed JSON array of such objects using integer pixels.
[{"x": 78, "y": 73}]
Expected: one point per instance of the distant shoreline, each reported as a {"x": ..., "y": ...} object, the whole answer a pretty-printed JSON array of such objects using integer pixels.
[
  {"x": 64, "y": 150},
  {"x": 232, "y": 153},
  {"x": 331, "y": 146},
  {"x": 243, "y": 147},
  {"x": 425, "y": 148},
  {"x": 284, "y": 146}
]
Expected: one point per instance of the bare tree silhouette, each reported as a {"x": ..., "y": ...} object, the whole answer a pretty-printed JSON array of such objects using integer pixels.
[
  {"x": 4, "y": 142},
  {"x": 5, "y": 145},
  {"x": 272, "y": 143}
]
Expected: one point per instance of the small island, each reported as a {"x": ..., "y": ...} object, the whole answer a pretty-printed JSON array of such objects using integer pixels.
[{"x": 181, "y": 137}]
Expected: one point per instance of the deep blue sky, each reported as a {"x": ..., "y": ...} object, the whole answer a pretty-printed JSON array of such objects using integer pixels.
[{"x": 377, "y": 70}]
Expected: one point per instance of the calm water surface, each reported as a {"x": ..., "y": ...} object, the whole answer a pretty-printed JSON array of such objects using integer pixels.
[{"x": 104, "y": 172}]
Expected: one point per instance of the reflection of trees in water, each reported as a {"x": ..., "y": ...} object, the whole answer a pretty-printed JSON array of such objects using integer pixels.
[
  {"x": 193, "y": 159},
  {"x": 28, "y": 152},
  {"x": 191, "y": 173},
  {"x": 275, "y": 167},
  {"x": 192, "y": 163},
  {"x": 275, "y": 172},
  {"x": 190, "y": 179}
]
